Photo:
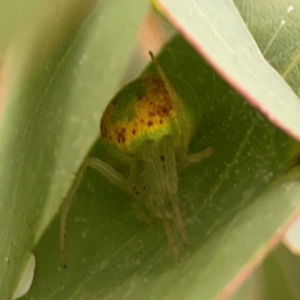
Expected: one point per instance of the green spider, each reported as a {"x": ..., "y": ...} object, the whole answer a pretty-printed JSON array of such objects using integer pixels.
[{"x": 147, "y": 127}]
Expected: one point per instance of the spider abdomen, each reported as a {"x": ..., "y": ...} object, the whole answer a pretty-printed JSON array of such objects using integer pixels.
[{"x": 141, "y": 111}]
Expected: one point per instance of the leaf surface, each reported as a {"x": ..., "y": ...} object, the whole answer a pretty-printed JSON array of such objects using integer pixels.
[
  {"x": 233, "y": 204},
  {"x": 54, "y": 74},
  {"x": 218, "y": 32}
]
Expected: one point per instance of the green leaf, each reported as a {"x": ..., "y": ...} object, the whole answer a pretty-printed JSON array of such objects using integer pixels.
[
  {"x": 236, "y": 204},
  {"x": 12, "y": 14},
  {"x": 232, "y": 203},
  {"x": 279, "y": 279},
  {"x": 276, "y": 278},
  {"x": 58, "y": 74},
  {"x": 218, "y": 32}
]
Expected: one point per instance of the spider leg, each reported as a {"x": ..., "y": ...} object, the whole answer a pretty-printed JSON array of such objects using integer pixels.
[
  {"x": 141, "y": 212},
  {"x": 171, "y": 241},
  {"x": 185, "y": 160},
  {"x": 138, "y": 186},
  {"x": 193, "y": 158},
  {"x": 184, "y": 139},
  {"x": 108, "y": 172},
  {"x": 158, "y": 189},
  {"x": 172, "y": 180}
]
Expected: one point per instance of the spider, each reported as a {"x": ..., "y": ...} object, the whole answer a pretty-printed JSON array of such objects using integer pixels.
[{"x": 147, "y": 127}]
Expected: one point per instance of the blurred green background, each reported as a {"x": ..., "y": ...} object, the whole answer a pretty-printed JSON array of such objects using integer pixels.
[{"x": 54, "y": 58}]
